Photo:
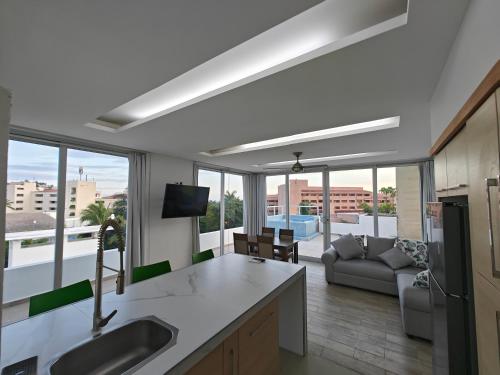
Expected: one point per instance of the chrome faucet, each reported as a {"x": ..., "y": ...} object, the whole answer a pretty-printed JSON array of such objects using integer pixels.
[{"x": 99, "y": 321}]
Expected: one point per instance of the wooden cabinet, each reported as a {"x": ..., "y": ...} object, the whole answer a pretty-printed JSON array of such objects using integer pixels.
[
  {"x": 440, "y": 177},
  {"x": 251, "y": 350},
  {"x": 258, "y": 340},
  {"x": 487, "y": 302},
  {"x": 483, "y": 159},
  {"x": 212, "y": 364},
  {"x": 456, "y": 165},
  {"x": 231, "y": 355},
  {"x": 451, "y": 167}
]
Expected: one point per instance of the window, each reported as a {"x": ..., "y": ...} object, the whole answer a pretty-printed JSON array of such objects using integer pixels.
[
  {"x": 226, "y": 190},
  {"x": 276, "y": 202},
  {"x": 399, "y": 207},
  {"x": 354, "y": 218},
  {"x": 87, "y": 174},
  {"x": 31, "y": 228},
  {"x": 210, "y": 224},
  {"x": 26, "y": 248}
]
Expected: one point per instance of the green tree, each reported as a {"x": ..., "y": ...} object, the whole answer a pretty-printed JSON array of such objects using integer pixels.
[
  {"x": 95, "y": 213},
  {"x": 388, "y": 191},
  {"x": 233, "y": 207},
  {"x": 387, "y": 208},
  {"x": 305, "y": 210},
  {"x": 367, "y": 209}
]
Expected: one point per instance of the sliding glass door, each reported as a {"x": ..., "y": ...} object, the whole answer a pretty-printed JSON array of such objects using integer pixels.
[
  {"x": 226, "y": 197},
  {"x": 306, "y": 211},
  {"x": 210, "y": 237},
  {"x": 233, "y": 209},
  {"x": 57, "y": 197},
  {"x": 276, "y": 212},
  {"x": 96, "y": 189},
  {"x": 30, "y": 220}
]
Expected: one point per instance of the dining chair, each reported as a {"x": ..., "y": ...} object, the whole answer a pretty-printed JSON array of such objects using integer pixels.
[
  {"x": 151, "y": 270},
  {"x": 286, "y": 234},
  {"x": 203, "y": 256},
  {"x": 60, "y": 297},
  {"x": 240, "y": 243},
  {"x": 265, "y": 245},
  {"x": 268, "y": 231}
]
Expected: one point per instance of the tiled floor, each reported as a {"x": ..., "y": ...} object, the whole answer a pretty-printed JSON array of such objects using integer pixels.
[{"x": 356, "y": 330}]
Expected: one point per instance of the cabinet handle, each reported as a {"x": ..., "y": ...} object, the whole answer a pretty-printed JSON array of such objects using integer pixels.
[
  {"x": 491, "y": 182},
  {"x": 256, "y": 330},
  {"x": 234, "y": 369}
]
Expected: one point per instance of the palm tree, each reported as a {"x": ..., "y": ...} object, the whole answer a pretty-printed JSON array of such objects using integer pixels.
[
  {"x": 9, "y": 204},
  {"x": 95, "y": 213},
  {"x": 388, "y": 191}
]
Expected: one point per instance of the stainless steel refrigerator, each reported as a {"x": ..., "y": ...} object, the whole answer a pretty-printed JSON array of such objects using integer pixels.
[{"x": 451, "y": 293}]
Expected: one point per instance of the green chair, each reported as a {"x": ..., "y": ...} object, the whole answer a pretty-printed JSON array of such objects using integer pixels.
[
  {"x": 151, "y": 270},
  {"x": 203, "y": 256},
  {"x": 60, "y": 297}
]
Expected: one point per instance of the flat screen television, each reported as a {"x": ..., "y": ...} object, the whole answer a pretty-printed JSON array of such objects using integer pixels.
[{"x": 184, "y": 201}]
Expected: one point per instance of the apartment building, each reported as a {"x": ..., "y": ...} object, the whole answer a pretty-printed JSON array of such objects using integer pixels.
[
  {"x": 30, "y": 196},
  {"x": 342, "y": 199}
]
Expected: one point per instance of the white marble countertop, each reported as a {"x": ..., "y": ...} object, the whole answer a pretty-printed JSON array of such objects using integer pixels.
[{"x": 202, "y": 301}]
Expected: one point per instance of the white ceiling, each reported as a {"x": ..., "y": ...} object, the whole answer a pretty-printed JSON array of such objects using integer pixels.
[{"x": 67, "y": 62}]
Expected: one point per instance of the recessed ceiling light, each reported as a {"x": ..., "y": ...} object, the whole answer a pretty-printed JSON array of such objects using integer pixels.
[
  {"x": 339, "y": 131},
  {"x": 324, "y": 28},
  {"x": 329, "y": 158}
]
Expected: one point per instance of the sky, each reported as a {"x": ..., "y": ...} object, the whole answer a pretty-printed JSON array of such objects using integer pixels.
[{"x": 29, "y": 161}]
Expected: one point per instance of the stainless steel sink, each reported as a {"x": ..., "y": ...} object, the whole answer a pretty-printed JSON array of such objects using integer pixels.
[{"x": 120, "y": 351}]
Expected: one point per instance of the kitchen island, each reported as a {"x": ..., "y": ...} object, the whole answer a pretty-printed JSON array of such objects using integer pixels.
[{"x": 208, "y": 303}]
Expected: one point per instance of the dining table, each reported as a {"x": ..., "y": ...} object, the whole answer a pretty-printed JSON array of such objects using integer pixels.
[{"x": 282, "y": 245}]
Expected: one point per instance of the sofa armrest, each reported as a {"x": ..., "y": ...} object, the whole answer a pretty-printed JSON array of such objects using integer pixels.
[{"x": 330, "y": 256}]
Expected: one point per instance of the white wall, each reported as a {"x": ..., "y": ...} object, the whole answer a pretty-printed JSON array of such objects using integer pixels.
[
  {"x": 168, "y": 238},
  {"x": 475, "y": 50}
]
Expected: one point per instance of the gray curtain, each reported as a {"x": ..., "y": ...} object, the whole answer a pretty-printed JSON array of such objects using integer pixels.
[
  {"x": 137, "y": 211},
  {"x": 196, "y": 219},
  {"x": 427, "y": 191},
  {"x": 254, "y": 203}
]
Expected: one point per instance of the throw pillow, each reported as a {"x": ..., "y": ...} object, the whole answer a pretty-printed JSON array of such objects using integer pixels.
[
  {"x": 421, "y": 279},
  {"x": 347, "y": 247},
  {"x": 395, "y": 258},
  {"x": 415, "y": 249},
  {"x": 377, "y": 245},
  {"x": 361, "y": 241}
]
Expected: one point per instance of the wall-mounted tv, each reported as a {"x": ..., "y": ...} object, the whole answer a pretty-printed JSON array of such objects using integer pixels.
[{"x": 184, "y": 201}]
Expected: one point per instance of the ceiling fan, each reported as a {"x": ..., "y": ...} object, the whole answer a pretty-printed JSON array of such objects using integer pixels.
[{"x": 298, "y": 166}]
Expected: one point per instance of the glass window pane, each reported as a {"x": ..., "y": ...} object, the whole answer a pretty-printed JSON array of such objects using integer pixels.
[
  {"x": 233, "y": 209},
  {"x": 210, "y": 224},
  {"x": 351, "y": 202},
  {"x": 306, "y": 208},
  {"x": 30, "y": 224},
  {"x": 276, "y": 202},
  {"x": 96, "y": 188},
  {"x": 399, "y": 208}
]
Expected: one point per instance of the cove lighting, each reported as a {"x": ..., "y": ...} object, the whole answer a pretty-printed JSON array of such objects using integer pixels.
[
  {"x": 339, "y": 131},
  {"x": 324, "y": 28},
  {"x": 328, "y": 158}
]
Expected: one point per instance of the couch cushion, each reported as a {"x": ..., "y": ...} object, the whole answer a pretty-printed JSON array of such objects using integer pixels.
[
  {"x": 408, "y": 270},
  {"x": 378, "y": 245},
  {"x": 395, "y": 258},
  {"x": 365, "y": 268},
  {"x": 347, "y": 247},
  {"x": 415, "y": 249},
  {"x": 411, "y": 297}
]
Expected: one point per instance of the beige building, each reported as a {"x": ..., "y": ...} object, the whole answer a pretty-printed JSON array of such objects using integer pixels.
[{"x": 28, "y": 197}]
